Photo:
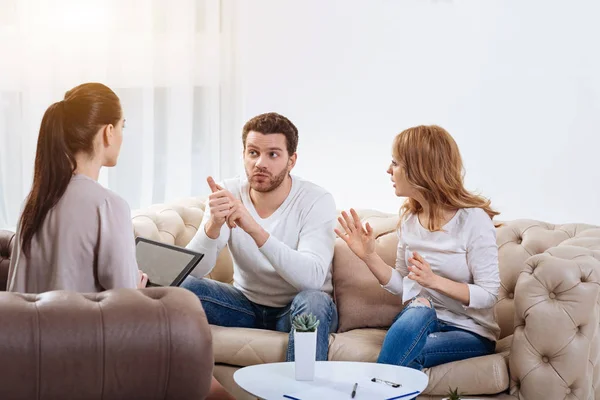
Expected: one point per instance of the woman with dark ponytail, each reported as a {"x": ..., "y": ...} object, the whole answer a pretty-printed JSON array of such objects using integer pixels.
[{"x": 74, "y": 234}]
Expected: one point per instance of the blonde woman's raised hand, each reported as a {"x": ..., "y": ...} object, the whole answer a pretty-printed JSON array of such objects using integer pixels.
[{"x": 361, "y": 240}]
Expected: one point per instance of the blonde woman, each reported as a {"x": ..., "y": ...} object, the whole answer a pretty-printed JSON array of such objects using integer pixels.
[{"x": 447, "y": 262}]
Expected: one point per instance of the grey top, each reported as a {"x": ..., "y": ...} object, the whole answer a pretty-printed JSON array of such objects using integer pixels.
[{"x": 86, "y": 244}]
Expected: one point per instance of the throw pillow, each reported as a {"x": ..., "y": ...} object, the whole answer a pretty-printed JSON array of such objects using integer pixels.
[{"x": 360, "y": 299}]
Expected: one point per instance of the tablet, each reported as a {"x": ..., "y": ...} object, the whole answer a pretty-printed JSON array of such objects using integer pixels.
[{"x": 165, "y": 265}]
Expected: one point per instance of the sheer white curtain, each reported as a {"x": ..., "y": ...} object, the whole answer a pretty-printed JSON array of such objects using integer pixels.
[{"x": 167, "y": 60}]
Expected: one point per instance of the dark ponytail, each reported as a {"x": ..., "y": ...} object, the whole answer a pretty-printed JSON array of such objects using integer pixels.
[{"x": 68, "y": 128}]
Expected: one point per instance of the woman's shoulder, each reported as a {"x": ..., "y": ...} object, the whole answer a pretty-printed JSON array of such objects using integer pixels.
[
  {"x": 406, "y": 223},
  {"x": 115, "y": 201},
  {"x": 86, "y": 191},
  {"x": 477, "y": 216},
  {"x": 476, "y": 222}
]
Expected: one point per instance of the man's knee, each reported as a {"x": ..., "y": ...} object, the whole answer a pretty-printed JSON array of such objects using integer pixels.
[
  {"x": 200, "y": 287},
  {"x": 312, "y": 301}
]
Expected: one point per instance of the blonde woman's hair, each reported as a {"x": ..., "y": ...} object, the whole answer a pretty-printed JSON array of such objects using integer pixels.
[{"x": 432, "y": 164}]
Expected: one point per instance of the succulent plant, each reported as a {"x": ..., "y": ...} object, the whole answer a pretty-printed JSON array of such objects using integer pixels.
[
  {"x": 453, "y": 394},
  {"x": 305, "y": 323}
]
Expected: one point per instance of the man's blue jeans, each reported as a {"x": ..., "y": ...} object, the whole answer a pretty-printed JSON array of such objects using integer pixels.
[
  {"x": 225, "y": 305},
  {"x": 417, "y": 339}
]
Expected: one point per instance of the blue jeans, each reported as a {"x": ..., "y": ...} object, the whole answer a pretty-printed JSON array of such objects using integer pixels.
[
  {"x": 417, "y": 339},
  {"x": 225, "y": 305}
]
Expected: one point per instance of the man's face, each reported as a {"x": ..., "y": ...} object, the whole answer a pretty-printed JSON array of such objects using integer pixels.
[{"x": 267, "y": 161}]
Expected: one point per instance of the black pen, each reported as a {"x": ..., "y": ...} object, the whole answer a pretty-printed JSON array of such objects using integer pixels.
[
  {"x": 392, "y": 384},
  {"x": 354, "y": 389}
]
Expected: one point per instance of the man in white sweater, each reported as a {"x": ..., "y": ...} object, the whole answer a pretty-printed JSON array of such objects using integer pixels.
[{"x": 280, "y": 232}]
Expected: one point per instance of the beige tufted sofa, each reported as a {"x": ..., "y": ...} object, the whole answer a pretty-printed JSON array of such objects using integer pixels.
[{"x": 548, "y": 311}]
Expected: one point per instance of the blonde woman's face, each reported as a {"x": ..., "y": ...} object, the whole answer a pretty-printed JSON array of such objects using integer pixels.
[{"x": 401, "y": 186}]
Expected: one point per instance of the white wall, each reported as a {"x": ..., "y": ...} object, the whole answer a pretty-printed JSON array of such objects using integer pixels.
[{"x": 516, "y": 82}]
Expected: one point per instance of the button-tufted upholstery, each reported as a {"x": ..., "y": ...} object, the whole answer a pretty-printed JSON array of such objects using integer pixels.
[
  {"x": 6, "y": 244},
  {"x": 122, "y": 344},
  {"x": 177, "y": 224},
  {"x": 548, "y": 310}
]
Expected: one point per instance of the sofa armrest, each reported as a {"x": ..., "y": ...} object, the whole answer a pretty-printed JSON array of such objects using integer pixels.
[
  {"x": 153, "y": 343},
  {"x": 6, "y": 245},
  {"x": 557, "y": 311}
]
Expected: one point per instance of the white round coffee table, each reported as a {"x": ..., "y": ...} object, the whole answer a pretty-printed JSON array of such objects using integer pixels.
[{"x": 333, "y": 380}]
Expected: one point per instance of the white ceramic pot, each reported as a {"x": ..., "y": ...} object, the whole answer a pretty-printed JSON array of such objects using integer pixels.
[{"x": 305, "y": 353}]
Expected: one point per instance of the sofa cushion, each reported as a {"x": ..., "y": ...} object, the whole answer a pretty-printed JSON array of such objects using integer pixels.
[
  {"x": 479, "y": 375},
  {"x": 357, "y": 345},
  {"x": 244, "y": 346},
  {"x": 360, "y": 299}
]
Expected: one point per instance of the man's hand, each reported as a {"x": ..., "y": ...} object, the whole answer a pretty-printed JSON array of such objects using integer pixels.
[
  {"x": 220, "y": 203},
  {"x": 240, "y": 216}
]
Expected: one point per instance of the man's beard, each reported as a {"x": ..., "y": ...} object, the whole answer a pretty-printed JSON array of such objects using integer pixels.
[{"x": 272, "y": 182}]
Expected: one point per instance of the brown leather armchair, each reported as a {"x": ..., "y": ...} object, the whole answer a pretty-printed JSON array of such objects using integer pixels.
[{"x": 120, "y": 344}]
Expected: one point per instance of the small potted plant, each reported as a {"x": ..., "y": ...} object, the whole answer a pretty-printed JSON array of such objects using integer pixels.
[
  {"x": 453, "y": 394},
  {"x": 305, "y": 346}
]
